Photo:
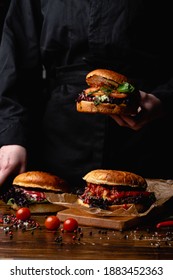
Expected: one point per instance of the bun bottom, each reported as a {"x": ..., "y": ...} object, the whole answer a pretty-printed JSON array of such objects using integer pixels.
[
  {"x": 105, "y": 108},
  {"x": 139, "y": 207},
  {"x": 45, "y": 208},
  {"x": 41, "y": 208}
]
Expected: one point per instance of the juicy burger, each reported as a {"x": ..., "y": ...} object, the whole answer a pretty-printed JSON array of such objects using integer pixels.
[
  {"x": 108, "y": 93},
  {"x": 29, "y": 189},
  {"x": 113, "y": 189}
]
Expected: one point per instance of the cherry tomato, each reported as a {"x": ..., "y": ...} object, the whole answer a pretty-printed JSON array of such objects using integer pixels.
[
  {"x": 23, "y": 213},
  {"x": 70, "y": 224},
  {"x": 52, "y": 222}
]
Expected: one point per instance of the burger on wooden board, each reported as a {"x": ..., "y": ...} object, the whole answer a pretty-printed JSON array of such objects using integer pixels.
[
  {"x": 29, "y": 189},
  {"x": 108, "y": 93},
  {"x": 113, "y": 189}
]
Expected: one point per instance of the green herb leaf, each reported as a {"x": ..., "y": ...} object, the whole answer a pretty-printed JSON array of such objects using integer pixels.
[
  {"x": 11, "y": 201},
  {"x": 96, "y": 101},
  {"x": 107, "y": 90},
  {"x": 125, "y": 87},
  {"x": 90, "y": 93}
]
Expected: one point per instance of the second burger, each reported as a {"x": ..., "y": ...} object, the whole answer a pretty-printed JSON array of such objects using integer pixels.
[
  {"x": 114, "y": 189},
  {"x": 109, "y": 92},
  {"x": 30, "y": 189}
]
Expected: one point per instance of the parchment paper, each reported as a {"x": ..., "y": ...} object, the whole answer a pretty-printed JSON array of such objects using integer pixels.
[{"x": 163, "y": 190}]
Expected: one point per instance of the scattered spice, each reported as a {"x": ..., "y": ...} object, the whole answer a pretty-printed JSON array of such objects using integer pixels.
[
  {"x": 161, "y": 237},
  {"x": 11, "y": 222}
]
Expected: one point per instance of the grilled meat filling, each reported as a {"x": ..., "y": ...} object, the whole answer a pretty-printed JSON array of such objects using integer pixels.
[{"x": 103, "y": 196}]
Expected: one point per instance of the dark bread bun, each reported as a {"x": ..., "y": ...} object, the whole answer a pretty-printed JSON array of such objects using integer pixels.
[
  {"x": 40, "y": 180},
  {"x": 101, "y": 77},
  {"x": 115, "y": 177}
]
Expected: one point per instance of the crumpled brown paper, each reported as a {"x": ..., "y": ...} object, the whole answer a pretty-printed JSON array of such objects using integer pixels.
[{"x": 163, "y": 190}]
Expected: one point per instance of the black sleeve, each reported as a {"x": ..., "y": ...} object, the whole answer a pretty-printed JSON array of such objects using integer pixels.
[
  {"x": 20, "y": 73},
  {"x": 4, "y": 4}
]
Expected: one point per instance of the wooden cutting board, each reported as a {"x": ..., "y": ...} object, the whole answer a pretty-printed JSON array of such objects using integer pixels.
[{"x": 117, "y": 223}]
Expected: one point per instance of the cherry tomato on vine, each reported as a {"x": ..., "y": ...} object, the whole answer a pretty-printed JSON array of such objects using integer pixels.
[
  {"x": 70, "y": 224},
  {"x": 52, "y": 222},
  {"x": 23, "y": 213}
]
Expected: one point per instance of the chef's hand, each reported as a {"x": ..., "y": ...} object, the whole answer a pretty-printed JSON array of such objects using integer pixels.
[
  {"x": 13, "y": 160},
  {"x": 150, "y": 108}
]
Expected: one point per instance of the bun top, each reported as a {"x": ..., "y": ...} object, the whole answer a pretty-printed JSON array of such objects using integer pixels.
[
  {"x": 42, "y": 180},
  {"x": 115, "y": 177},
  {"x": 100, "y": 77}
]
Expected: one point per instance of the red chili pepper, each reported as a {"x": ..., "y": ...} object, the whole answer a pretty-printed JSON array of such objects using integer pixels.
[{"x": 168, "y": 223}]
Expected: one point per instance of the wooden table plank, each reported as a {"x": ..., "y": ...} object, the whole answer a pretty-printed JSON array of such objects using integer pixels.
[{"x": 144, "y": 242}]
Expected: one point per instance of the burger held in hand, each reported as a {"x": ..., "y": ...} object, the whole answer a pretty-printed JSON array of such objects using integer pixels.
[
  {"x": 113, "y": 189},
  {"x": 29, "y": 189},
  {"x": 109, "y": 93}
]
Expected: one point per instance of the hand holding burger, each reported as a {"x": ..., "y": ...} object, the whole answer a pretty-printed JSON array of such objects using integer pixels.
[
  {"x": 109, "y": 93},
  {"x": 150, "y": 108}
]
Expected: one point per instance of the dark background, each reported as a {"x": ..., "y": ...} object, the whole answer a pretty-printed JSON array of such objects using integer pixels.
[{"x": 4, "y": 4}]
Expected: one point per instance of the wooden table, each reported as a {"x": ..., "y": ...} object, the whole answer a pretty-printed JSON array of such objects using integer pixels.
[{"x": 88, "y": 243}]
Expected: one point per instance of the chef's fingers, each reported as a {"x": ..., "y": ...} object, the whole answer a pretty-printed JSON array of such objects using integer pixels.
[
  {"x": 119, "y": 120},
  {"x": 134, "y": 122},
  {"x": 13, "y": 159},
  {"x": 4, "y": 175},
  {"x": 10, "y": 170}
]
